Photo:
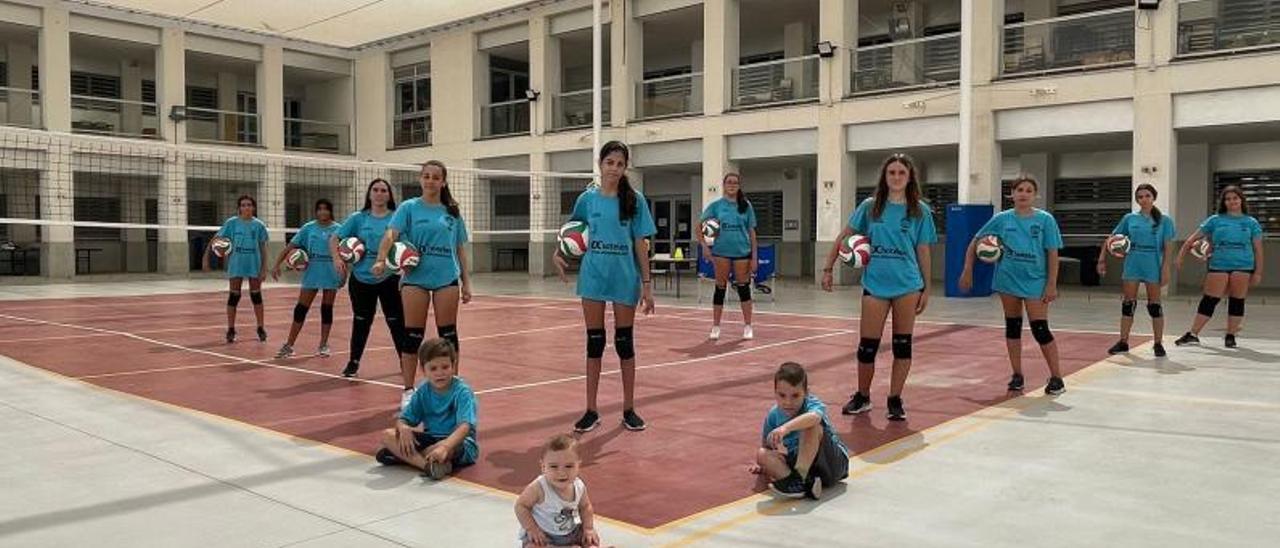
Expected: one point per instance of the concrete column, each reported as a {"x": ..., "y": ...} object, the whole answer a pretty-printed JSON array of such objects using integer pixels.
[
  {"x": 55, "y": 68},
  {"x": 134, "y": 240},
  {"x": 228, "y": 83},
  {"x": 1155, "y": 145},
  {"x": 171, "y": 82},
  {"x": 271, "y": 199},
  {"x": 720, "y": 53},
  {"x": 19, "y": 59},
  {"x": 270, "y": 84},
  {"x": 480, "y": 92},
  {"x": 375, "y": 105},
  {"x": 836, "y": 190},
  {"x": 715, "y": 163},
  {"x": 627, "y": 43},
  {"x": 838, "y": 24},
  {"x": 979, "y": 156},
  {"x": 130, "y": 90},
  {"x": 172, "y": 257},
  {"x": 1194, "y": 177},
  {"x": 544, "y": 213},
  {"x": 698, "y": 88},
  {"x": 57, "y": 203},
  {"x": 544, "y": 74}
]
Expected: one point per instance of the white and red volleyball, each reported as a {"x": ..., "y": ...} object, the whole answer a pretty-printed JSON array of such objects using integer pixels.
[
  {"x": 351, "y": 250},
  {"x": 297, "y": 259},
  {"x": 573, "y": 239},
  {"x": 1118, "y": 246},
  {"x": 989, "y": 249},
  {"x": 220, "y": 246},
  {"x": 403, "y": 257},
  {"x": 855, "y": 250}
]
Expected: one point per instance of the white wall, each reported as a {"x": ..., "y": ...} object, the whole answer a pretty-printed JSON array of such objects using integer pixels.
[{"x": 1110, "y": 163}]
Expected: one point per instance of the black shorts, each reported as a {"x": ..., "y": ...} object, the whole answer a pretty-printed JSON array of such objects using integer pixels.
[
  {"x": 732, "y": 259},
  {"x": 1229, "y": 272},
  {"x": 466, "y": 455},
  {"x": 830, "y": 465},
  {"x": 454, "y": 283}
]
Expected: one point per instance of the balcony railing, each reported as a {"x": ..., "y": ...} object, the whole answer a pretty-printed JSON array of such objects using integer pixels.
[
  {"x": 317, "y": 136},
  {"x": 1212, "y": 26},
  {"x": 669, "y": 96},
  {"x": 572, "y": 109},
  {"x": 413, "y": 129},
  {"x": 775, "y": 82},
  {"x": 1087, "y": 40},
  {"x": 505, "y": 118},
  {"x": 912, "y": 63},
  {"x": 107, "y": 116},
  {"x": 209, "y": 125},
  {"x": 19, "y": 107}
]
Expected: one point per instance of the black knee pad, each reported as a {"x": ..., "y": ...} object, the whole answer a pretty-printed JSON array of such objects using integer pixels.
[
  {"x": 449, "y": 333},
  {"x": 1155, "y": 310},
  {"x": 255, "y": 297},
  {"x": 412, "y": 340},
  {"x": 1235, "y": 307},
  {"x": 717, "y": 298},
  {"x": 595, "y": 344},
  {"x": 300, "y": 313},
  {"x": 1040, "y": 330},
  {"x": 1207, "y": 305},
  {"x": 867, "y": 349},
  {"x": 1127, "y": 308},
  {"x": 1013, "y": 328},
  {"x": 326, "y": 314},
  {"x": 902, "y": 346},
  {"x": 624, "y": 342},
  {"x": 744, "y": 292},
  {"x": 233, "y": 298}
]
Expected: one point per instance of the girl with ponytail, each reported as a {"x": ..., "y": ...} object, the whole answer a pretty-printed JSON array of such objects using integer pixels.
[{"x": 1150, "y": 253}]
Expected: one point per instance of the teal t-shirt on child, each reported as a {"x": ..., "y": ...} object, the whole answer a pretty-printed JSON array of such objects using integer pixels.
[
  {"x": 437, "y": 235},
  {"x": 314, "y": 239},
  {"x": 1232, "y": 237},
  {"x": 369, "y": 228},
  {"x": 894, "y": 269},
  {"x": 777, "y": 417},
  {"x": 734, "y": 241},
  {"x": 441, "y": 413},
  {"x": 246, "y": 238},
  {"x": 1146, "y": 246},
  {"x": 609, "y": 272},
  {"x": 1022, "y": 270}
]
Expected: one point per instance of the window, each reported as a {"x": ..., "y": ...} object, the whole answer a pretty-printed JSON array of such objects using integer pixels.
[
  {"x": 84, "y": 84},
  {"x": 1261, "y": 192},
  {"x": 202, "y": 98},
  {"x": 413, "y": 105},
  {"x": 508, "y": 79},
  {"x": 939, "y": 196},
  {"x": 202, "y": 213},
  {"x": 511, "y": 205},
  {"x": 768, "y": 206},
  {"x": 149, "y": 96},
  {"x": 1091, "y": 207},
  {"x": 102, "y": 209},
  {"x": 246, "y": 126}
]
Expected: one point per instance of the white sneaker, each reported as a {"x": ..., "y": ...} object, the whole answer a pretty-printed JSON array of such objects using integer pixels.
[
  {"x": 323, "y": 351},
  {"x": 285, "y": 351},
  {"x": 747, "y": 333},
  {"x": 715, "y": 333},
  {"x": 405, "y": 397}
]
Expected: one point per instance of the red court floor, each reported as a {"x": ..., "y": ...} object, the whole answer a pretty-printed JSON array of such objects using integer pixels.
[{"x": 524, "y": 357}]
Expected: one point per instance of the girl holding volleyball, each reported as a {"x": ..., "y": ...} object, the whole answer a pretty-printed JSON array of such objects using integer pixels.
[
  {"x": 733, "y": 251},
  {"x": 248, "y": 260},
  {"x": 900, "y": 226},
  {"x": 366, "y": 289},
  {"x": 433, "y": 224},
  {"x": 320, "y": 275},
  {"x": 615, "y": 269},
  {"x": 1026, "y": 276},
  {"x": 1235, "y": 263},
  {"x": 1150, "y": 234}
]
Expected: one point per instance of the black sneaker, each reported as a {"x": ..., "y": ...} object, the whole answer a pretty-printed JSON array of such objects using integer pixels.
[
  {"x": 386, "y": 458},
  {"x": 1016, "y": 382},
  {"x": 1159, "y": 350},
  {"x": 813, "y": 487},
  {"x": 1187, "y": 338},
  {"x": 1229, "y": 341},
  {"x": 262, "y": 334},
  {"x": 895, "y": 412},
  {"x": 589, "y": 421},
  {"x": 858, "y": 403},
  {"x": 351, "y": 368},
  {"x": 792, "y": 486},
  {"x": 231, "y": 335},
  {"x": 632, "y": 421},
  {"x": 1119, "y": 347},
  {"x": 1055, "y": 386}
]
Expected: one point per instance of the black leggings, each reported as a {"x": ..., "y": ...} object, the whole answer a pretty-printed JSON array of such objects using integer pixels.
[{"x": 364, "y": 305}]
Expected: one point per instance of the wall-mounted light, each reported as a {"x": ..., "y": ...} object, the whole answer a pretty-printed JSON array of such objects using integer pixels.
[
  {"x": 1148, "y": 4},
  {"x": 826, "y": 49},
  {"x": 178, "y": 113},
  {"x": 531, "y": 95}
]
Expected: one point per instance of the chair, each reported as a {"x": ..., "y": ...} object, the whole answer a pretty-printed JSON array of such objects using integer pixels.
[{"x": 766, "y": 271}]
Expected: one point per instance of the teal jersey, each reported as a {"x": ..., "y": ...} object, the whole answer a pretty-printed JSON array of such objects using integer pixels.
[
  {"x": 370, "y": 229},
  {"x": 777, "y": 417},
  {"x": 894, "y": 269},
  {"x": 1023, "y": 268},
  {"x": 1232, "y": 237},
  {"x": 246, "y": 238},
  {"x": 735, "y": 228},
  {"x": 1147, "y": 241},
  {"x": 314, "y": 239},
  {"x": 609, "y": 271},
  {"x": 437, "y": 235}
]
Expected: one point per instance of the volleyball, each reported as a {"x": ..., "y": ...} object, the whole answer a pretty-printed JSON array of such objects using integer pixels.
[
  {"x": 989, "y": 250},
  {"x": 1119, "y": 246},
  {"x": 711, "y": 231},
  {"x": 1202, "y": 249},
  {"x": 297, "y": 259},
  {"x": 855, "y": 250},
  {"x": 351, "y": 250},
  {"x": 403, "y": 256},
  {"x": 221, "y": 247},
  {"x": 573, "y": 239}
]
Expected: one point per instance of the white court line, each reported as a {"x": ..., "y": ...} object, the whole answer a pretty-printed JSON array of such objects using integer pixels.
[{"x": 157, "y": 370}]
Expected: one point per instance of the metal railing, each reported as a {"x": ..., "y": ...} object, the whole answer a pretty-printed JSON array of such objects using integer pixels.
[
  {"x": 916, "y": 62},
  {"x": 669, "y": 96},
  {"x": 108, "y": 116},
  {"x": 317, "y": 136},
  {"x": 572, "y": 109},
  {"x": 1221, "y": 26},
  {"x": 1087, "y": 40},
  {"x": 505, "y": 118},
  {"x": 209, "y": 125},
  {"x": 412, "y": 129},
  {"x": 775, "y": 82},
  {"x": 20, "y": 107}
]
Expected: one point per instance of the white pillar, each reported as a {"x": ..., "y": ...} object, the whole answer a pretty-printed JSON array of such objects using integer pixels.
[
  {"x": 57, "y": 203},
  {"x": 544, "y": 213},
  {"x": 979, "y": 156},
  {"x": 541, "y": 76},
  {"x": 131, "y": 91},
  {"x": 1155, "y": 145},
  {"x": 55, "y": 68},
  {"x": 172, "y": 255},
  {"x": 720, "y": 51},
  {"x": 20, "y": 58},
  {"x": 627, "y": 43},
  {"x": 373, "y": 119},
  {"x": 171, "y": 81},
  {"x": 837, "y": 186},
  {"x": 270, "y": 83},
  {"x": 715, "y": 163}
]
